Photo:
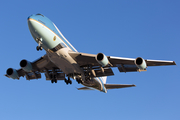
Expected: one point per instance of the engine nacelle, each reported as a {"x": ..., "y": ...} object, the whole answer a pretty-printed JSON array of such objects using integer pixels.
[
  {"x": 12, "y": 73},
  {"x": 140, "y": 63},
  {"x": 26, "y": 65},
  {"x": 102, "y": 59}
]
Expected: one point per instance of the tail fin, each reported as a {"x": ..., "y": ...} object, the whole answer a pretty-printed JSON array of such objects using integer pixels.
[{"x": 104, "y": 79}]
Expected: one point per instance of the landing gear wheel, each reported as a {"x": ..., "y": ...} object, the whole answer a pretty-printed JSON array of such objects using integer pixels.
[
  {"x": 52, "y": 81},
  {"x": 55, "y": 81},
  {"x": 79, "y": 81},
  {"x": 66, "y": 81},
  {"x": 40, "y": 48},
  {"x": 37, "y": 48},
  {"x": 69, "y": 81}
]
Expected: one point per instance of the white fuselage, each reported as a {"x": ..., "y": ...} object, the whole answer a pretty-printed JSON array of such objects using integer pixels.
[{"x": 47, "y": 35}]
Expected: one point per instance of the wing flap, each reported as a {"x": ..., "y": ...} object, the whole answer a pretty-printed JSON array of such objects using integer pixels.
[
  {"x": 59, "y": 76},
  {"x": 33, "y": 75},
  {"x": 105, "y": 72},
  {"x": 42, "y": 63},
  {"x": 127, "y": 68}
]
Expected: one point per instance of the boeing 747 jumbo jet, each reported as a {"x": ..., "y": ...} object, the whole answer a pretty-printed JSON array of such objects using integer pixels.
[{"x": 63, "y": 62}]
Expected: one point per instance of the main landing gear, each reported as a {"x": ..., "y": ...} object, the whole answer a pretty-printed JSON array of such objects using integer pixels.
[
  {"x": 79, "y": 81},
  {"x": 53, "y": 80},
  {"x": 53, "y": 76},
  {"x": 68, "y": 81}
]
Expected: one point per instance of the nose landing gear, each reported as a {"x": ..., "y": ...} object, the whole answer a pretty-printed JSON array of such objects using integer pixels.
[{"x": 39, "y": 47}]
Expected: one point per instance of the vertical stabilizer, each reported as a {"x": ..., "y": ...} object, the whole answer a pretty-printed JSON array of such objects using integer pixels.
[{"x": 104, "y": 79}]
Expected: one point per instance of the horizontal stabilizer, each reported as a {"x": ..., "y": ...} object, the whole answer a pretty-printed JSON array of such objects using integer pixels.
[
  {"x": 115, "y": 86},
  {"x": 84, "y": 88}
]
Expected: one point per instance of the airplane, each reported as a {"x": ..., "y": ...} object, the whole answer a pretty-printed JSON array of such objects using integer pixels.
[{"x": 63, "y": 62}]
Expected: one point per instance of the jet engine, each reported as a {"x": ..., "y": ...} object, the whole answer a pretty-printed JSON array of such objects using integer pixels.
[
  {"x": 26, "y": 65},
  {"x": 102, "y": 59},
  {"x": 12, "y": 73},
  {"x": 140, "y": 63}
]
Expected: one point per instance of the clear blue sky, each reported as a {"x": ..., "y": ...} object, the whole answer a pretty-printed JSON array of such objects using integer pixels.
[{"x": 150, "y": 29}]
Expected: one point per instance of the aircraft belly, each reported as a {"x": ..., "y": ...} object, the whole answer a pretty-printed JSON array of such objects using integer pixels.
[{"x": 65, "y": 62}]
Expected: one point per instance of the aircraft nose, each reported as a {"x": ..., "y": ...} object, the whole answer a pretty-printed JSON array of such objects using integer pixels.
[
  {"x": 29, "y": 20},
  {"x": 30, "y": 17},
  {"x": 32, "y": 25}
]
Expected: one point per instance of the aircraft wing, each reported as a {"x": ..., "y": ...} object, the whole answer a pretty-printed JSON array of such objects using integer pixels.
[
  {"x": 128, "y": 64},
  {"x": 41, "y": 65},
  {"x": 123, "y": 64}
]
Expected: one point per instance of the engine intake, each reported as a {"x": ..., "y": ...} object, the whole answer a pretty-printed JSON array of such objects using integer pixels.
[
  {"x": 12, "y": 73},
  {"x": 26, "y": 65},
  {"x": 140, "y": 63},
  {"x": 102, "y": 59}
]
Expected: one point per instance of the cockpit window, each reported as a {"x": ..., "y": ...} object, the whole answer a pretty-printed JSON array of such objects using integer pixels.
[{"x": 40, "y": 14}]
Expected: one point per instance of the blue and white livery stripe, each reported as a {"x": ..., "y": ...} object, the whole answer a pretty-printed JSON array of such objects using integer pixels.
[{"x": 64, "y": 39}]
